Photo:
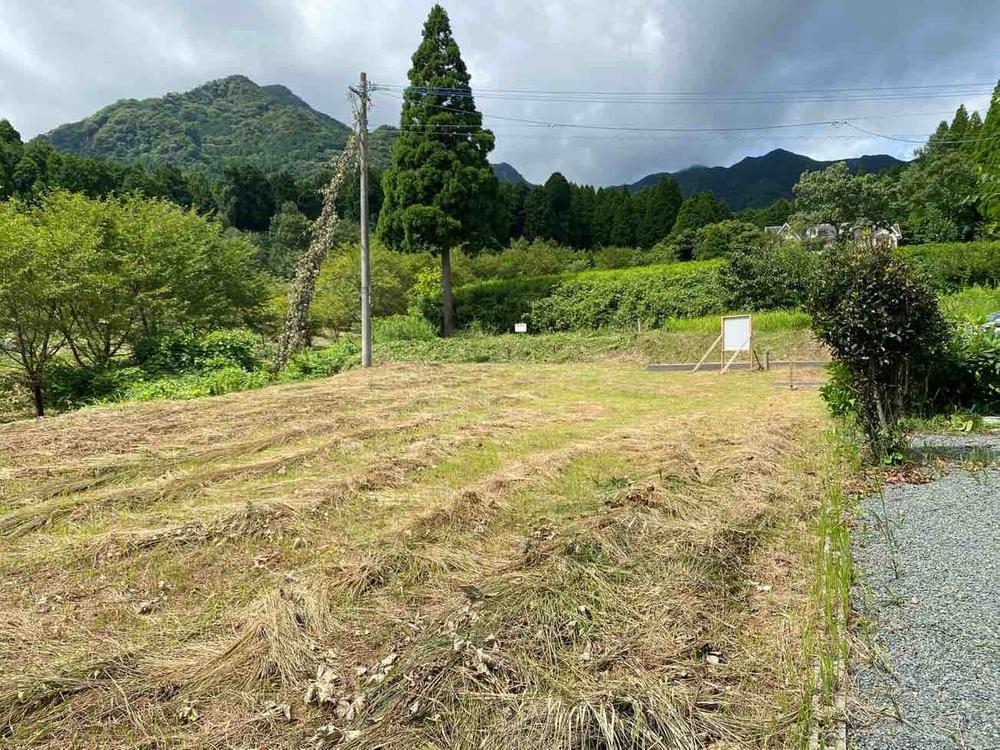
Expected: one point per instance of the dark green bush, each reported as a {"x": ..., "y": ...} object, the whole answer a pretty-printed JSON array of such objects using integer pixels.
[
  {"x": 322, "y": 363},
  {"x": 956, "y": 265},
  {"x": 883, "y": 325},
  {"x": 653, "y": 294},
  {"x": 234, "y": 347},
  {"x": 71, "y": 386},
  {"x": 498, "y": 305},
  {"x": 967, "y": 375},
  {"x": 724, "y": 238},
  {"x": 175, "y": 352},
  {"x": 771, "y": 275}
]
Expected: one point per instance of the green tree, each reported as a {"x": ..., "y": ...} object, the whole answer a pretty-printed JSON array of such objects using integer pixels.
[
  {"x": 625, "y": 224},
  {"x": 663, "y": 201},
  {"x": 582, "y": 217},
  {"x": 723, "y": 238},
  {"x": 699, "y": 210},
  {"x": 835, "y": 196},
  {"x": 515, "y": 196},
  {"x": 286, "y": 238},
  {"x": 440, "y": 190},
  {"x": 987, "y": 158},
  {"x": 773, "y": 214},
  {"x": 246, "y": 198},
  {"x": 959, "y": 129},
  {"x": 558, "y": 205},
  {"x": 29, "y": 300},
  {"x": 10, "y": 154},
  {"x": 940, "y": 189}
]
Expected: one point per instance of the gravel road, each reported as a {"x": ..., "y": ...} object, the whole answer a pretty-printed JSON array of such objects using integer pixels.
[{"x": 930, "y": 590}]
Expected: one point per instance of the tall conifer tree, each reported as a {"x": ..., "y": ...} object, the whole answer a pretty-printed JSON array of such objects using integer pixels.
[
  {"x": 440, "y": 190},
  {"x": 987, "y": 157}
]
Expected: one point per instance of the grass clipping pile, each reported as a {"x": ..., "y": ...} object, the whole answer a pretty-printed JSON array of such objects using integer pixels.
[{"x": 667, "y": 610}]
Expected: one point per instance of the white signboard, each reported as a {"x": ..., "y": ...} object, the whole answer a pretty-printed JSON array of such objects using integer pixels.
[
  {"x": 736, "y": 332},
  {"x": 520, "y": 328}
]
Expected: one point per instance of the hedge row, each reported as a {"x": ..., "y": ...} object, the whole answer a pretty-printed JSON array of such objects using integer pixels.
[
  {"x": 956, "y": 265},
  {"x": 594, "y": 299}
]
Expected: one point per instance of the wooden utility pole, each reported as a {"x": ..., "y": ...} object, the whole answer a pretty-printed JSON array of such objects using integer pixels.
[{"x": 366, "y": 270}]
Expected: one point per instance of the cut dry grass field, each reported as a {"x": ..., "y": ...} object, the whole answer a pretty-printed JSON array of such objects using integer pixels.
[{"x": 464, "y": 556}]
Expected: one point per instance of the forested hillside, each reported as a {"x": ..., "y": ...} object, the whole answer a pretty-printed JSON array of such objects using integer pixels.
[
  {"x": 756, "y": 181},
  {"x": 228, "y": 120}
]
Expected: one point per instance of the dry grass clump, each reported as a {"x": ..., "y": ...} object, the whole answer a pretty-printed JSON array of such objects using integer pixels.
[
  {"x": 602, "y": 636},
  {"x": 279, "y": 638}
]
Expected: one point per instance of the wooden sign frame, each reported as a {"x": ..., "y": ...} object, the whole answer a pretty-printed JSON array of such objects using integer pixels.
[{"x": 745, "y": 346}]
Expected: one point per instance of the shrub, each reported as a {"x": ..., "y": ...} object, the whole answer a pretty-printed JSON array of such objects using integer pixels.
[
  {"x": 322, "y": 363},
  {"x": 967, "y": 375},
  {"x": 235, "y": 347},
  {"x": 173, "y": 352},
  {"x": 768, "y": 276},
  {"x": 954, "y": 266},
  {"x": 883, "y": 325},
  {"x": 403, "y": 328},
  {"x": 653, "y": 294},
  {"x": 71, "y": 386},
  {"x": 608, "y": 258},
  {"x": 498, "y": 305},
  {"x": 337, "y": 301},
  {"x": 724, "y": 238},
  {"x": 523, "y": 258},
  {"x": 425, "y": 296},
  {"x": 197, "y": 385}
]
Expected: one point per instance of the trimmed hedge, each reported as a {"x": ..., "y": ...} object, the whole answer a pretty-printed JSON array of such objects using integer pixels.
[
  {"x": 952, "y": 266},
  {"x": 594, "y": 299}
]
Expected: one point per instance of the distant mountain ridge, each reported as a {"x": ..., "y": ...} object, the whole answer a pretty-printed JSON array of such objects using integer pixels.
[
  {"x": 233, "y": 119},
  {"x": 227, "y": 120},
  {"x": 756, "y": 181}
]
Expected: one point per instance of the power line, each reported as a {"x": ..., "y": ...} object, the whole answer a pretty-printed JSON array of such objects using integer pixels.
[
  {"x": 646, "y": 129},
  {"x": 543, "y": 125},
  {"x": 922, "y": 87},
  {"x": 679, "y": 98},
  {"x": 903, "y": 139}
]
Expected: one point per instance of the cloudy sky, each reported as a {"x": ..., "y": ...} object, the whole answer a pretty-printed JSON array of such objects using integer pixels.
[{"x": 60, "y": 60}]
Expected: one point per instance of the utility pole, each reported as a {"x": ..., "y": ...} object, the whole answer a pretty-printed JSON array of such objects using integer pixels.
[{"x": 366, "y": 270}]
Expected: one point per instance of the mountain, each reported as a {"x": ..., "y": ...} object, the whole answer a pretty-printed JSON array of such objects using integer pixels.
[
  {"x": 506, "y": 173},
  {"x": 230, "y": 119},
  {"x": 758, "y": 180}
]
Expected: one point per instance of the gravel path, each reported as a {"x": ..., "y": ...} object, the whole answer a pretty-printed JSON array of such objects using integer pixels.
[{"x": 936, "y": 625}]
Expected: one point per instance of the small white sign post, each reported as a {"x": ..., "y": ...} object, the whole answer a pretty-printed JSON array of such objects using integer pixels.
[
  {"x": 736, "y": 336},
  {"x": 520, "y": 328}
]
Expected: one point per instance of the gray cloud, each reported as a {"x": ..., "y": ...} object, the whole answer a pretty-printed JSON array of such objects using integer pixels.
[{"x": 62, "y": 60}]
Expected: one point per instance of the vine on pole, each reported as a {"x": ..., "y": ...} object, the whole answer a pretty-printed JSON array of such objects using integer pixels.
[{"x": 300, "y": 294}]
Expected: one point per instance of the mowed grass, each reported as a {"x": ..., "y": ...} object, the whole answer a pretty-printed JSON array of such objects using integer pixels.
[
  {"x": 785, "y": 334},
  {"x": 461, "y": 556}
]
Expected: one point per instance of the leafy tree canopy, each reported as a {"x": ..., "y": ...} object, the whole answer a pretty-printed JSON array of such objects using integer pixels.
[{"x": 700, "y": 210}]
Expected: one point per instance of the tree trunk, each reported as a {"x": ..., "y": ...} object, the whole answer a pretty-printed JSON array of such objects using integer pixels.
[
  {"x": 447, "y": 303},
  {"x": 38, "y": 396}
]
